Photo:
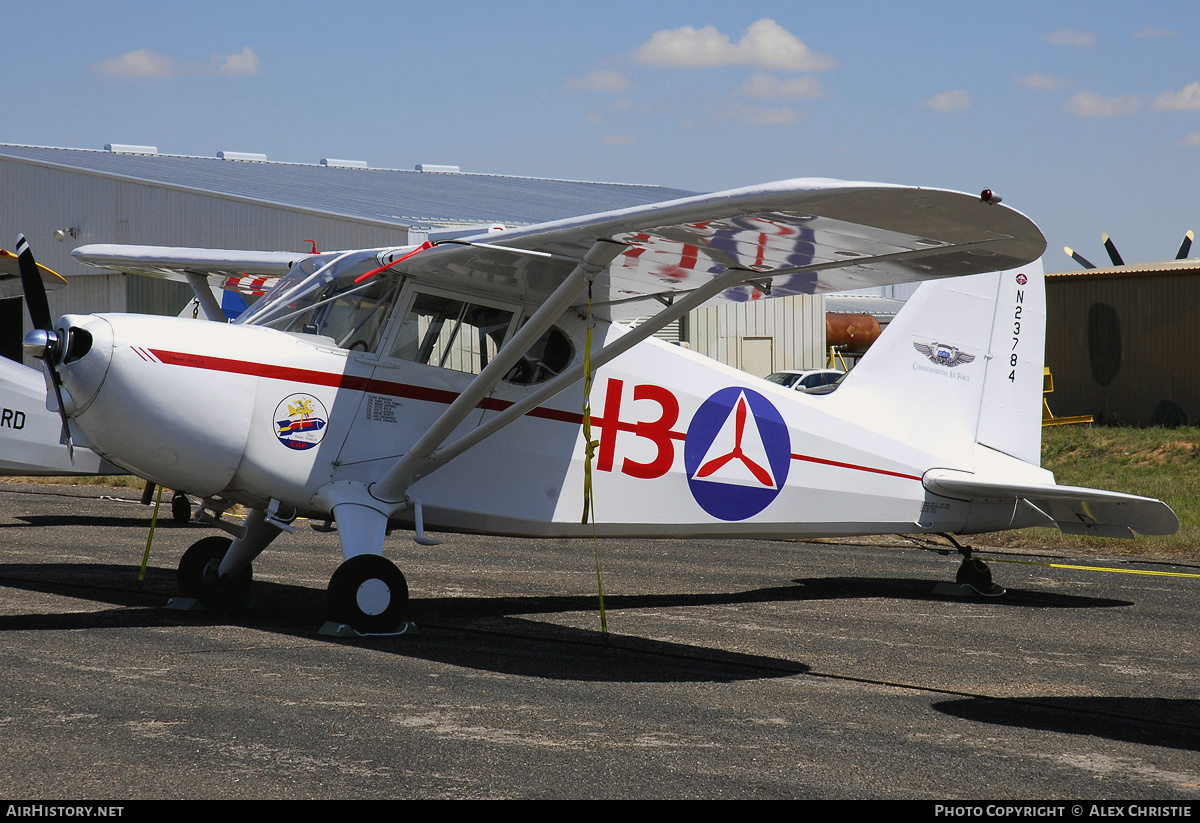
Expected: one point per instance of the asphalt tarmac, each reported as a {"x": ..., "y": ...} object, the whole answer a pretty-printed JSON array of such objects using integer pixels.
[{"x": 731, "y": 669}]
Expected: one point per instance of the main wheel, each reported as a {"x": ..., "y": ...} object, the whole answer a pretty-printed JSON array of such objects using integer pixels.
[
  {"x": 369, "y": 594},
  {"x": 199, "y": 578}
]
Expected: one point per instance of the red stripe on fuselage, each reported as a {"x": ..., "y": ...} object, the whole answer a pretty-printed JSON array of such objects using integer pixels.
[{"x": 366, "y": 384}]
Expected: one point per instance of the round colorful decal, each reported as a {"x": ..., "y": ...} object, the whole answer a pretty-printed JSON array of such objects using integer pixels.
[
  {"x": 300, "y": 421},
  {"x": 737, "y": 454}
]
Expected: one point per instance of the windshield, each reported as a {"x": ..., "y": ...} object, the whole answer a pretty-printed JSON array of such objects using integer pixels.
[{"x": 320, "y": 296}]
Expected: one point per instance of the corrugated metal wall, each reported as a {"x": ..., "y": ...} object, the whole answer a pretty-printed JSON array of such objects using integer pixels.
[
  {"x": 795, "y": 325},
  {"x": 1123, "y": 349}
]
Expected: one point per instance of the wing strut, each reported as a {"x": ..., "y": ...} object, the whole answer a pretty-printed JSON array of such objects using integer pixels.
[
  {"x": 680, "y": 307},
  {"x": 212, "y": 308},
  {"x": 417, "y": 462}
]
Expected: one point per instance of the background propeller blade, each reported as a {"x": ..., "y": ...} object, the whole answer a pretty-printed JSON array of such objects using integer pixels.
[
  {"x": 1185, "y": 246},
  {"x": 1111, "y": 247},
  {"x": 1078, "y": 258}
]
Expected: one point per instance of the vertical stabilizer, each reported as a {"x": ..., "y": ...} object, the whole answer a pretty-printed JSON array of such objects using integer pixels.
[{"x": 961, "y": 364}]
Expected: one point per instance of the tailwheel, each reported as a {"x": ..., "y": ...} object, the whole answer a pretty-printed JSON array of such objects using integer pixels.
[
  {"x": 975, "y": 573},
  {"x": 369, "y": 594},
  {"x": 199, "y": 578}
]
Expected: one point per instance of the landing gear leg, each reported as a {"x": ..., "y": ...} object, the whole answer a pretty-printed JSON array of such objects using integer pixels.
[{"x": 367, "y": 592}]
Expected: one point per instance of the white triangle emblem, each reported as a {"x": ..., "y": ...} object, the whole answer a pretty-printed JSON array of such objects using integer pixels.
[{"x": 737, "y": 455}]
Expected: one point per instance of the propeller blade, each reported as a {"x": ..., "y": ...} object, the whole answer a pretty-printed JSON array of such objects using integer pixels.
[
  {"x": 1078, "y": 258},
  {"x": 39, "y": 314},
  {"x": 1111, "y": 247},
  {"x": 1185, "y": 246},
  {"x": 34, "y": 288}
]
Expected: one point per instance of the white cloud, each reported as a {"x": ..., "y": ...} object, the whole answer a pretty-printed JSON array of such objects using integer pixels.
[
  {"x": 756, "y": 115},
  {"x": 619, "y": 140},
  {"x": 954, "y": 100},
  {"x": 1070, "y": 37},
  {"x": 1186, "y": 99},
  {"x": 1090, "y": 104},
  {"x": 765, "y": 45},
  {"x": 768, "y": 85},
  {"x": 598, "y": 81},
  {"x": 144, "y": 64},
  {"x": 1192, "y": 139},
  {"x": 242, "y": 64},
  {"x": 1154, "y": 31},
  {"x": 1042, "y": 81}
]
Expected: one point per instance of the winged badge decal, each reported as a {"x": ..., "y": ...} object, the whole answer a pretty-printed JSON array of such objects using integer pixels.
[{"x": 942, "y": 354}]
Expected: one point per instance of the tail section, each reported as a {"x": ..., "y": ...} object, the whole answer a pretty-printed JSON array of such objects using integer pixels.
[
  {"x": 962, "y": 364},
  {"x": 958, "y": 374}
]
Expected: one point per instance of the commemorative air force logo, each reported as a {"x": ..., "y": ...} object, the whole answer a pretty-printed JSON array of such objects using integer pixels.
[
  {"x": 942, "y": 354},
  {"x": 300, "y": 421},
  {"x": 737, "y": 454}
]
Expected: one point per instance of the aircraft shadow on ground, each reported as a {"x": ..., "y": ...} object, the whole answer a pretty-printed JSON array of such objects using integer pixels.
[
  {"x": 1152, "y": 721},
  {"x": 471, "y": 632},
  {"x": 81, "y": 520},
  {"x": 895, "y": 588}
]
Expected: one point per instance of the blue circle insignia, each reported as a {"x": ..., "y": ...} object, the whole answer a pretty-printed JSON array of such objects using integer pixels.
[{"x": 737, "y": 454}]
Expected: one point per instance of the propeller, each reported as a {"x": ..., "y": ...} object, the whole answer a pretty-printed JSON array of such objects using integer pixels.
[
  {"x": 43, "y": 342},
  {"x": 1185, "y": 246},
  {"x": 1115, "y": 255},
  {"x": 1079, "y": 258},
  {"x": 1111, "y": 248}
]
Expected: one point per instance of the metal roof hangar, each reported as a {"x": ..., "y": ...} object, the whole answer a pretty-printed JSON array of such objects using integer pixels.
[
  {"x": 64, "y": 198},
  {"x": 1120, "y": 342}
]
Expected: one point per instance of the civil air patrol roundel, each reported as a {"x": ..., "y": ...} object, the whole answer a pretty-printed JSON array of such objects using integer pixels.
[
  {"x": 737, "y": 454},
  {"x": 300, "y": 421}
]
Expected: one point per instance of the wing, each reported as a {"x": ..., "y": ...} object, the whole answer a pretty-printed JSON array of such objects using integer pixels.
[
  {"x": 1073, "y": 509},
  {"x": 246, "y": 271},
  {"x": 10, "y": 276},
  {"x": 793, "y": 237}
]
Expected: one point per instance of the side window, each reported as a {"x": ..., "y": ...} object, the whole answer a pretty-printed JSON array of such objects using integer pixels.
[
  {"x": 449, "y": 333},
  {"x": 546, "y": 358}
]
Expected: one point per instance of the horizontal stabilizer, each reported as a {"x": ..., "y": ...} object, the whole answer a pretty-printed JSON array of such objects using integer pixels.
[{"x": 1075, "y": 510}]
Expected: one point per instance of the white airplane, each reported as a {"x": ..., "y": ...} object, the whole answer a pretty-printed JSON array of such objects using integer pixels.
[{"x": 445, "y": 385}]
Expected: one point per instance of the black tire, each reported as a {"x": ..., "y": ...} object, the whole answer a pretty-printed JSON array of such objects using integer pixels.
[
  {"x": 369, "y": 594},
  {"x": 181, "y": 508},
  {"x": 198, "y": 575},
  {"x": 975, "y": 573}
]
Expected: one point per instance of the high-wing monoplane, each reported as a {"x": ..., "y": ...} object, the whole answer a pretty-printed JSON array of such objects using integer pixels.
[{"x": 473, "y": 384}]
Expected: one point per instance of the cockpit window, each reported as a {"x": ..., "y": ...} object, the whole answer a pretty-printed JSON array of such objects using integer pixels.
[
  {"x": 442, "y": 331},
  {"x": 321, "y": 296}
]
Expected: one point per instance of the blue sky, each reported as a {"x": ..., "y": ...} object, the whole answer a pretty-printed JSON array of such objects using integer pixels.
[{"x": 1085, "y": 116}]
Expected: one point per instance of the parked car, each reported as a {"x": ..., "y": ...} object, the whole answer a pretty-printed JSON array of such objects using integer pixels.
[{"x": 810, "y": 381}]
